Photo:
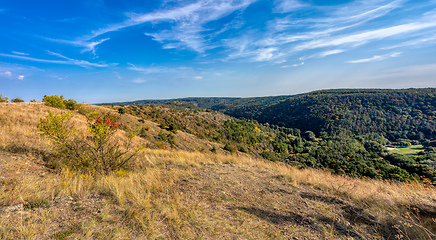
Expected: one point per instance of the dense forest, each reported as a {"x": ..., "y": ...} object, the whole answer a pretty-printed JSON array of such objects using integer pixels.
[{"x": 346, "y": 131}]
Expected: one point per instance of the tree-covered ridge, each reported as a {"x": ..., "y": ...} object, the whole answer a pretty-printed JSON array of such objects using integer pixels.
[
  {"x": 395, "y": 114},
  {"x": 214, "y": 103}
]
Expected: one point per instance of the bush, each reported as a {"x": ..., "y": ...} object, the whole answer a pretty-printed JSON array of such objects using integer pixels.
[
  {"x": 70, "y": 104},
  {"x": 121, "y": 110},
  {"x": 60, "y": 102},
  {"x": 213, "y": 149},
  {"x": 230, "y": 148},
  {"x": 94, "y": 152},
  {"x": 3, "y": 99},
  {"x": 17, "y": 100},
  {"x": 54, "y": 101}
]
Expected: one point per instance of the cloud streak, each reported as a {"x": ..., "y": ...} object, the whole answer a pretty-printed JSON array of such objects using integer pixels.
[
  {"x": 376, "y": 58},
  {"x": 364, "y": 37},
  {"x": 7, "y": 73},
  {"x": 87, "y": 45},
  {"x": 20, "y": 53},
  {"x": 68, "y": 61}
]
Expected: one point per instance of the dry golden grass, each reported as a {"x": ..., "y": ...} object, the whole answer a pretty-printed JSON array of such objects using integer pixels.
[
  {"x": 192, "y": 195},
  {"x": 18, "y": 121}
]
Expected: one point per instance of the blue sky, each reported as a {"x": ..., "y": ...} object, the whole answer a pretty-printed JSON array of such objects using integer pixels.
[{"x": 104, "y": 51}]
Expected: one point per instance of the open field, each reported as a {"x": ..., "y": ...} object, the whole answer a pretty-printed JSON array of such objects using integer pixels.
[{"x": 412, "y": 150}]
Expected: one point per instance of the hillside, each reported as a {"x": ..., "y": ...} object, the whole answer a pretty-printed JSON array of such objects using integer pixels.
[
  {"x": 173, "y": 194},
  {"x": 357, "y": 155},
  {"x": 401, "y": 113}
]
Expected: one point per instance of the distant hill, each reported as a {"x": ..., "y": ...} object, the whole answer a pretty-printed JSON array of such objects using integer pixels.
[
  {"x": 214, "y": 103},
  {"x": 406, "y": 113},
  {"x": 394, "y": 113}
]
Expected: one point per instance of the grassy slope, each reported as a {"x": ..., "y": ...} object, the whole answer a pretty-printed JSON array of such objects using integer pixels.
[{"x": 191, "y": 195}]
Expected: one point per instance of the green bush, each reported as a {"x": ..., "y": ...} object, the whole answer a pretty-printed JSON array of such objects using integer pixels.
[
  {"x": 121, "y": 110},
  {"x": 94, "y": 152},
  {"x": 54, "y": 101},
  {"x": 213, "y": 149},
  {"x": 70, "y": 104},
  {"x": 60, "y": 102}
]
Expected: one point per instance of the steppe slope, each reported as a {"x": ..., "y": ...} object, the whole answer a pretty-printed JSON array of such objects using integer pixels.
[{"x": 174, "y": 194}]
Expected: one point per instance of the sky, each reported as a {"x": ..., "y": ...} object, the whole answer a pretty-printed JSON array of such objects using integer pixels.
[{"x": 108, "y": 51}]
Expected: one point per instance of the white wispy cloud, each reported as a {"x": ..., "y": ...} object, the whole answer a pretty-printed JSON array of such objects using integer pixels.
[
  {"x": 21, "y": 77},
  {"x": 198, "y": 77},
  {"x": 68, "y": 61},
  {"x": 187, "y": 23},
  {"x": 87, "y": 44},
  {"x": 20, "y": 53},
  {"x": 364, "y": 37},
  {"x": 414, "y": 42},
  {"x": 154, "y": 69},
  {"x": 330, "y": 52},
  {"x": 90, "y": 46},
  {"x": 139, "y": 80},
  {"x": 376, "y": 58},
  {"x": 7, "y": 73},
  {"x": 266, "y": 54},
  {"x": 362, "y": 11},
  {"x": 283, "y": 6},
  {"x": 293, "y": 65}
]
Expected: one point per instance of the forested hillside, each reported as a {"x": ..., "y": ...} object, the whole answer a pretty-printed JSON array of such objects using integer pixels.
[{"x": 395, "y": 114}]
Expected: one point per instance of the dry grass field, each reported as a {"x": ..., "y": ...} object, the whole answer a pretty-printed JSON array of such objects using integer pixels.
[{"x": 175, "y": 194}]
